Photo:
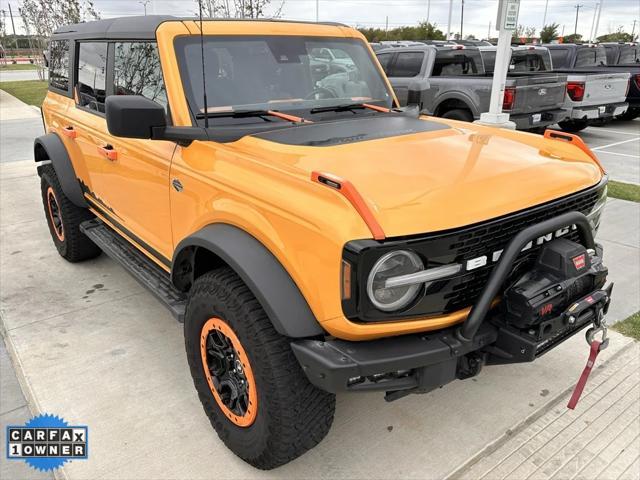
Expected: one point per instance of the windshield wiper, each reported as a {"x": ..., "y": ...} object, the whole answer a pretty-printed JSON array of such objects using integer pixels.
[
  {"x": 251, "y": 113},
  {"x": 347, "y": 107}
]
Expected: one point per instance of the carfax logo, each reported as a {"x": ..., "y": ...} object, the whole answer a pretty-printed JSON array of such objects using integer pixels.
[{"x": 45, "y": 442}]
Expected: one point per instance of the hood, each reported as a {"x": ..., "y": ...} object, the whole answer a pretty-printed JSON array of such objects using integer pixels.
[{"x": 419, "y": 175}]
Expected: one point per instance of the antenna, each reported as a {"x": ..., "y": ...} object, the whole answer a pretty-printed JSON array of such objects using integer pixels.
[{"x": 204, "y": 80}]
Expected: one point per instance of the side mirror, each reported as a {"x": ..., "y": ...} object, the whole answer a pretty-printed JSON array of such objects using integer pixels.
[
  {"x": 414, "y": 98},
  {"x": 133, "y": 116}
]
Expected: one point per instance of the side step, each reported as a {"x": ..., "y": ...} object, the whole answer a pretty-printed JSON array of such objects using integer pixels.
[{"x": 142, "y": 268}]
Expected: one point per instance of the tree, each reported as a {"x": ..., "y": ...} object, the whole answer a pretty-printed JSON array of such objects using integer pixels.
[
  {"x": 549, "y": 33},
  {"x": 43, "y": 17},
  {"x": 618, "y": 36},
  {"x": 237, "y": 8},
  {"x": 530, "y": 32},
  {"x": 424, "y": 31},
  {"x": 518, "y": 33},
  {"x": 573, "y": 38}
]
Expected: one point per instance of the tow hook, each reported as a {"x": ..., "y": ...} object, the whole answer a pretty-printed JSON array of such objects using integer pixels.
[{"x": 601, "y": 305}]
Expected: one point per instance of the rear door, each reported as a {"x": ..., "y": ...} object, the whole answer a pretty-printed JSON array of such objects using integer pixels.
[{"x": 539, "y": 92}]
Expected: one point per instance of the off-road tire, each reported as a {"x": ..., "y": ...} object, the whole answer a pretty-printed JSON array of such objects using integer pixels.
[
  {"x": 293, "y": 415},
  {"x": 73, "y": 245},
  {"x": 573, "y": 126},
  {"x": 458, "y": 114}
]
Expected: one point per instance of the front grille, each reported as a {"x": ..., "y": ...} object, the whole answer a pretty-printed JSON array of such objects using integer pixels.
[
  {"x": 483, "y": 239},
  {"x": 456, "y": 246}
]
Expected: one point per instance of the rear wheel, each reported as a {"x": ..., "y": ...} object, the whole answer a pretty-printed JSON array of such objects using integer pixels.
[
  {"x": 64, "y": 219},
  {"x": 250, "y": 384},
  {"x": 630, "y": 114},
  {"x": 458, "y": 114},
  {"x": 573, "y": 126}
]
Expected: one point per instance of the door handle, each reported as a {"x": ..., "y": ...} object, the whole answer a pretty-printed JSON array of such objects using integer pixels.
[
  {"x": 68, "y": 131},
  {"x": 108, "y": 152}
]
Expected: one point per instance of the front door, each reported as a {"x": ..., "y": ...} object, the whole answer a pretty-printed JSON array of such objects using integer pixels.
[{"x": 129, "y": 178}]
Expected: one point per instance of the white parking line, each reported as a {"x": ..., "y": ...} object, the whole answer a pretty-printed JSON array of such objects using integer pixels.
[
  {"x": 618, "y": 131},
  {"x": 616, "y": 143},
  {"x": 620, "y": 154}
]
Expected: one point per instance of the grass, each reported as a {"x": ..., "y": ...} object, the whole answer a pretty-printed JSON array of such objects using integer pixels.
[
  {"x": 629, "y": 327},
  {"x": 18, "y": 66},
  {"x": 624, "y": 191},
  {"x": 31, "y": 92}
]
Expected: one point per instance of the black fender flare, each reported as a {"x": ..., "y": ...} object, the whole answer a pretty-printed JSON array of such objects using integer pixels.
[
  {"x": 260, "y": 270},
  {"x": 56, "y": 152}
]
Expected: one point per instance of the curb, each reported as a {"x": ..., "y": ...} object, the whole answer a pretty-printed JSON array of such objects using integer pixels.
[{"x": 27, "y": 390}]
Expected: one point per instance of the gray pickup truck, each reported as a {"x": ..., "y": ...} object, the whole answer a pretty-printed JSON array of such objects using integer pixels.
[
  {"x": 460, "y": 89},
  {"x": 595, "y": 93}
]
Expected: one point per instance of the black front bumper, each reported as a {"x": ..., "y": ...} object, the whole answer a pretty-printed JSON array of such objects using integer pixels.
[{"x": 422, "y": 362}]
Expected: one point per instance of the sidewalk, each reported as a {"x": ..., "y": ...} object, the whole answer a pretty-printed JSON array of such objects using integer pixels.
[
  {"x": 94, "y": 347},
  {"x": 20, "y": 124},
  {"x": 599, "y": 440}
]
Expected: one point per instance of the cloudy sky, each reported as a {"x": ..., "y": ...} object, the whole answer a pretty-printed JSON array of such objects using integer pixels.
[{"x": 477, "y": 13}]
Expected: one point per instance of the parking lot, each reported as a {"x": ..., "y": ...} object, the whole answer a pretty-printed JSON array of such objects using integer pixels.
[{"x": 89, "y": 344}]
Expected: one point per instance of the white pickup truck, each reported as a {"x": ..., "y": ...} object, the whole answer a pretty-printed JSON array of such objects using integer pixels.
[{"x": 592, "y": 96}]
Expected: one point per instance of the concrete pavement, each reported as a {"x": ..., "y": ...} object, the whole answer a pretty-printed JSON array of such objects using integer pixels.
[
  {"x": 94, "y": 347},
  {"x": 19, "y": 75},
  {"x": 20, "y": 124}
]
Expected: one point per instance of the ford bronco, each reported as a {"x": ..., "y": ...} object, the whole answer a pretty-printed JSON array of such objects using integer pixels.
[{"x": 313, "y": 237}]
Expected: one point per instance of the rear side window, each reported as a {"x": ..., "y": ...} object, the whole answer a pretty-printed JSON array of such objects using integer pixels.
[
  {"x": 59, "y": 64},
  {"x": 529, "y": 61},
  {"x": 92, "y": 68},
  {"x": 137, "y": 71},
  {"x": 489, "y": 59},
  {"x": 407, "y": 64},
  {"x": 629, "y": 54},
  {"x": 385, "y": 59},
  {"x": 457, "y": 62},
  {"x": 591, "y": 57},
  {"x": 559, "y": 57}
]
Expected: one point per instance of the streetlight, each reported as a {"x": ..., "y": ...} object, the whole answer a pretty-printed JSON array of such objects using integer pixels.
[{"x": 144, "y": 3}]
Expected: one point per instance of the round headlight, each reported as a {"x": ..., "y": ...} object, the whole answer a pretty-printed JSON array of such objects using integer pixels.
[{"x": 393, "y": 264}]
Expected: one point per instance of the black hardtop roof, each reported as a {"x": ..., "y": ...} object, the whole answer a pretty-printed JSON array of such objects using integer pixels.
[{"x": 139, "y": 27}]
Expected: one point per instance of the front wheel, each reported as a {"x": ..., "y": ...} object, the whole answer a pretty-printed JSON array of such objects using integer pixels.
[
  {"x": 573, "y": 126},
  {"x": 458, "y": 114},
  {"x": 250, "y": 384}
]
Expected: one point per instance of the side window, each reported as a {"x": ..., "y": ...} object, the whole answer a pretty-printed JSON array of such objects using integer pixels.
[
  {"x": 559, "y": 57},
  {"x": 92, "y": 67},
  {"x": 385, "y": 59},
  {"x": 137, "y": 71},
  {"x": 59, "y": 64},
  {"x": 408, "y": 64}
]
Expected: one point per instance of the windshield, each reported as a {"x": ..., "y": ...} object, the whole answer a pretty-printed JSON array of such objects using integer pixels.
[
  {"x": 591, "y": 57},
  {"x": 629, "y": 54},
  {"x": 280, "y": 73}
]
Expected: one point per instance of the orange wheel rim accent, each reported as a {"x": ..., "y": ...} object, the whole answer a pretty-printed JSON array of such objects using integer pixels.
[
  {"x": 246, "y": 418},
  {"x": 54, "y": 214}
]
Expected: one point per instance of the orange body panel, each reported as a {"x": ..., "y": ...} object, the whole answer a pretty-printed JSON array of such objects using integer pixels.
[{"x": 411, "y": 184}]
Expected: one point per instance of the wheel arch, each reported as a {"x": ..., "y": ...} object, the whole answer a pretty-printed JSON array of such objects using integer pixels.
[
  {"x": 223, "y": 244},
  {"x": 50, "y": 148},
  {"x": 452, "y": 102}
]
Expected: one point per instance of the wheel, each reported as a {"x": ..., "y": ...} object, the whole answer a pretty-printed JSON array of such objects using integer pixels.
[
  {"x": 250, "y": 384},
  {"x": 573, "y": 126},
  {"x": 600, "y": 122},
  {"x": 458, "y": 114},
  {"x": 630, "y": 114},
  {"x": 64, "y": 219}
]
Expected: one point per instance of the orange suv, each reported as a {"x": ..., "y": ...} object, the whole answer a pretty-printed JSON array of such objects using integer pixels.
[{"x": 313, "y": 237}]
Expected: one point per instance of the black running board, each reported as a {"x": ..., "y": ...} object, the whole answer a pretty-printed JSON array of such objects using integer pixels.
[{"x": 143, "y": 269}]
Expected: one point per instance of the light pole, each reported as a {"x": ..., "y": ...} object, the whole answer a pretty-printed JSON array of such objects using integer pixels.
[
  {"x": 449, "y": 22},
  {"x": 595, "y": 30},
  {"x": 577, "y": 7},
  {"x": 317, "y": 11},
  {"x": 593, "y": 22},
  {"x": 544, "y": 18},
  {"x": 144, "y": 3},
  {"x": 428, "y": 9},
  {"x": 461, "y": 19}
]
